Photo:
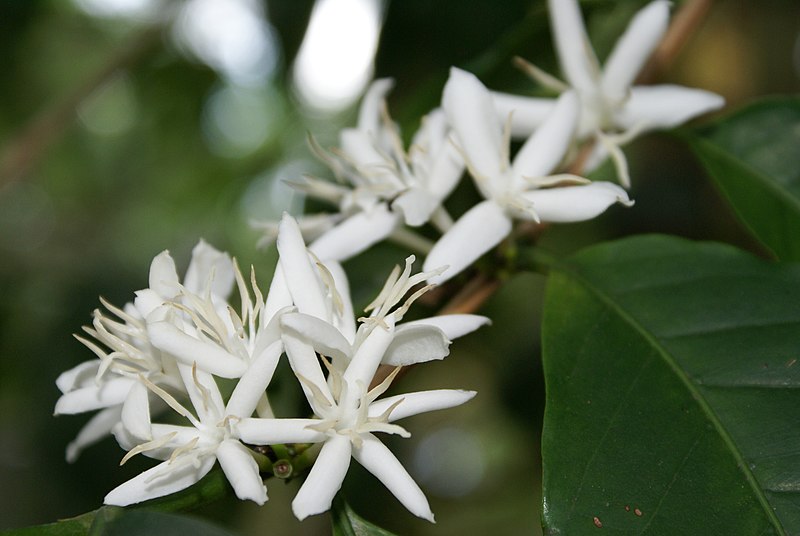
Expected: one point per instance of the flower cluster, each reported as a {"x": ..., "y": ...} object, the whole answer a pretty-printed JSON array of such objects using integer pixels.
[{"x": 182, "y": 376}]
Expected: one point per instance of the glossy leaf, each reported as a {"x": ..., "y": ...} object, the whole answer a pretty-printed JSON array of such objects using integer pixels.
[
  {"x": 673, "y": 388},
  {"x": 347, "y": 523},
  {"x": 753, "y": 156}
]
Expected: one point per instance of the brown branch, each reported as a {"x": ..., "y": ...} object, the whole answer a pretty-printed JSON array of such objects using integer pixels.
[{"x": 28, "y": 145}]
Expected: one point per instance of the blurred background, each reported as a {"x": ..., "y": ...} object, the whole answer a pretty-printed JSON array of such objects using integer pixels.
[{"x": 132, "y": 126}]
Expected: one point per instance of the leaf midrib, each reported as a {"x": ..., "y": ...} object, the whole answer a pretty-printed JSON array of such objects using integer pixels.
[{"x": 696, "y": 394}]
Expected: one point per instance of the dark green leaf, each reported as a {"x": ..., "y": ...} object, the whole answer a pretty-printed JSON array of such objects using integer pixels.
[
  {"x": 143, "y": 522},
  {"x": 672, "y": 391},
  {"x": 348, "y": 523},
  {"x": 754, "y": 157}
]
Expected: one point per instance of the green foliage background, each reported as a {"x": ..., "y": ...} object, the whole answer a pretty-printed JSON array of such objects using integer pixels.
[{"x": 90, "y": 211}]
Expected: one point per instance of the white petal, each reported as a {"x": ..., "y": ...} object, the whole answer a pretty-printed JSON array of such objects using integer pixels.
[
  {"x": 304, "y": 363},
  {"x": 278, "y": 431},
  {"x": 254, "y": 382},
  {"x": 355, "y": 234},
  {"x": 666, "y": 106},
  {"x": 278, "y": 296},
  {"x": 147, "y": 301},
  {"x": 138, "y": 489},
  {"x": 470, "y": 111},
  {"x": 346, "y": 320},
  {"x": 575, "y": 52},
  {"x": 325, "y": 338},
  {"x": 417, "y": 205},
  {"x": 78, "y": 375},
  {"x": 136, "y": 413},
  {"x": 163, "y": 275},
  {"x": 379, "y": 460},
  {"x": 369, "y": 113},
  {"x": 527, "y": 113},
  {"x": 325, "y": 478},
  {"x": 368, "y": 356},
  {"x": 634, "y": 47},
  {"x": 360, "y": 148},
  {"x": 416, "y": 344},
  {"x": 108, "y": 393},
  {"x": 189, "y": 350},
  {"x": 207, "y": 260},
  {"x": 93, "y": 431},
  {"x": 480, "y": 229},
  {"x": 453, "y": 326},
  {"x": 301, "y": 275},
  {"x": 420, "y": 402},
  {"x": 203, "y": 392},
  {"x": 241, "y": 470},
  {"x": 445, "y": 170},
  {"x": 575, "y": 203},
  {"x": 546, "y": 147}
]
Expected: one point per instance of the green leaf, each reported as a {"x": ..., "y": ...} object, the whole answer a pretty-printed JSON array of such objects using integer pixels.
[
  {"x": 754, "y": 157},
  {"x": 348, "y": 523},
  {"x": 673, "y": 382},
  {"x": 141, "y": 522}
]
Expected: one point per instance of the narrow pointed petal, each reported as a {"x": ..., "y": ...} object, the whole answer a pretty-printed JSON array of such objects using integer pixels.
[
  {"x": 278, "y": 431},
  {"x": 146, "y": 301},
  {"x": 163, "y": 275},
  {"x": 207, "y": 260},
  {"x": 634, "y": 47},
  {"x": 241, "y": 470},
  {"x": 379, "y": 460},
  {"x": 369, "y": 113},
  {"x": 141, "y": 488},
  {"x": 98, "y": 427},
  {"x": 546, "y": 147},
  {"x": 416, "y": 344},
  {"x": 417, "y": 205},
  {"x": 575, "y": 52},
  {"x": 527, "y": 113},
  {"x": 254, "y": 381},
  {"x": 445, "y": 171},
  {"x": 203, "y": 392},
  {"x": 471, "y": 112},
  {"x": 355, "y": 234},
  {"x": 325, "y": 338},
  {"x": 189, "y": 350},
  {"x": 301, "y": 275},
  {"x": 77, "y": 375},
  {"x": 109, "y": 393},
  {"x": 360, "y": 148},
  {"x": 368, "y": 355},
  {"x": 346, "y": 320},
  {"x": 304, "y": 363},
  {"x": 325, "y": 479},
  {"x": 480, "y": 229},
  {"x": 420, "y": 402},
  {"x": 453, "y": 326},
  {"x": 666, "y": 106},
  {"x": 576, "y": 203},
  {"x": 136, "y": 413},
  {"x": 278, "y": 296}
]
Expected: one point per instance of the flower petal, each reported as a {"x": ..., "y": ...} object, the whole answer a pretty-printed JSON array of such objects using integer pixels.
[
  {"x": 253, "y": 383},
  {"x": 304, "y": 363},
  {"x": 241, "y": 470},
  {"x": 633, "y": 48},
  {"x": 480, "y": 229},
  {"x": 278, "y": 431},
  {"x": 368, "y": 356},
  {"x": 98, "y": 427},
  {"x": 417, "y": 205},
  {"x": 453, "y": 326},
  {"x": 416, "y": 344},
  {"x": 189, "y": 350},
  {"x": 355, "y": 234},
  {"x": 301, "y": 275},
  {"x": 379, "y": 460},
  {"x": 665, "y": 106},
  {"x": 575, "y": 52},
  {"x": 278, "y": 296},
  {"x": 527, "y": 113},
  {"x": 108, "y": 393},
  {"x": 325, "y": 338},
  {"x": 546, "y": 147},
  {"x": 163, "y": 275},
  {"x": 420, "y": 402},
  {"x": 203, "y": 392},
  {"x": 159, "y": 481},
  {"x": 471, "y": 112},
  {"x": 325, "y": 479},
  {"x": 345, "y": 321},
  {"x": 136, "y": 413},
  {"x": 369, "y": 113},
  {"x": 207, "y": 260},
  {"x": 78, "y": 375},
  {"x": 575, "y": 203}
]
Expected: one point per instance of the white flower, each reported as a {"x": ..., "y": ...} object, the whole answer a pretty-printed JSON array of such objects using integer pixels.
[
  {"x": 522, "y": 189},
  {"x": 380, "y": 184},
  {"x": 129, "y": 354},
  {"x": 347, "y": 412},
  {"x": 611, "y": 107}
]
